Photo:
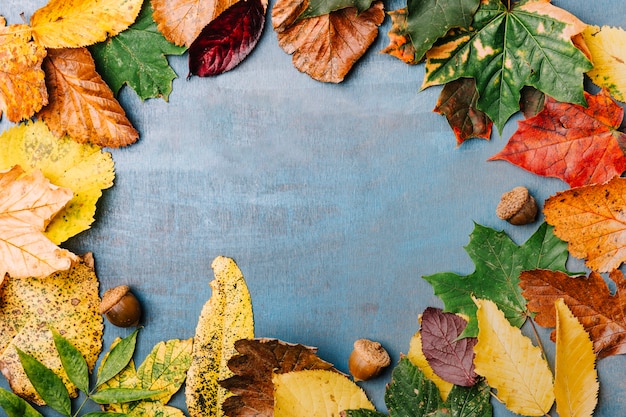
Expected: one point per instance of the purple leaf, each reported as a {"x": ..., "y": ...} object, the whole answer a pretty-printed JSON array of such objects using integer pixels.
[
  {"x": 451, "y": 358},
  {"x": 227, "y": 39}
]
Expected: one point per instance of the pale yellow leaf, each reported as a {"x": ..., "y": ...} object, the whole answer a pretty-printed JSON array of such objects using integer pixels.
[
  {"x": 607, "y": 46},
  {"x": 75, "y": 23},
  {"x": 417, "y": 358},
  {"x": 316, "y": 393},
  {"x": 511, "y": 364},
  {"x": 225, "y": 318},
  {"x": 576, "y": 379}
]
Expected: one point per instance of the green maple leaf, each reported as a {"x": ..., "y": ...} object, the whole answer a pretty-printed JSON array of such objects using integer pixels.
[
  {"x": 323, "y": 7},
  {"x": 527, "y": 43},
  {"x": 499, "y": 263},
  {"x": 137, "y": 57}
]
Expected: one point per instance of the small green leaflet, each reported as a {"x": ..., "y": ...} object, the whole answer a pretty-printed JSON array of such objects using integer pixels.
[
  {"x": 499, "y": 263},
  {"x": 508, "y": 48},
  {"x": 16, "y": 406},
  {"x": 137, "y": 57},
  {"x": 117, "y": 359},
  {"x": 323, "y": 7}
]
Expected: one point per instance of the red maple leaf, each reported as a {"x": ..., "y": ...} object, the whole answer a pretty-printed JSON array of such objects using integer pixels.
[{"x": 576, "y": 144}]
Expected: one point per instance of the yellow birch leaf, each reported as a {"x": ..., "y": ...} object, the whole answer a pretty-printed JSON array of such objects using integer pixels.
[
  {"x": 83, "y": 168},
  {"x": 511, "y": 364},
  {"x": 576, "y": 383},
  {"x": 316, "y": 393},
  {"x": 417, "y": 358},
  {"x": 607, "y": 46},
  {"x": 225, "y": 318},
  {"x": 75, "y": 23}
]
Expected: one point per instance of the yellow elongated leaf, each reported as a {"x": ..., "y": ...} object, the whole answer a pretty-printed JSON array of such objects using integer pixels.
[
  {"x": 511, "y": 364},
  {"x": 316, "y": 393},
  {"x": 576, "y": 383},
  {"x": 607, "y": 46},
  {"x": 417, "y": 358},
  {"x": 82, "y": 168},
  {"x": 75, "y": 23},
  {"x": 225, "y": 318}
]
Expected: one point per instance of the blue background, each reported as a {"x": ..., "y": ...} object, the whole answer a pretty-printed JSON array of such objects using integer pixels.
[{"x": 334, "y": 200}]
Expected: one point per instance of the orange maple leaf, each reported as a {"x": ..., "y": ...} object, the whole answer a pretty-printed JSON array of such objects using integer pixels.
[
  {"x": 590, "y": 300},
  {"x": 22, "y": 86},
  {"x": 81, "y": 104},
  {"x": 576, "y": 144},
  {"x": 592, "y": 220}
]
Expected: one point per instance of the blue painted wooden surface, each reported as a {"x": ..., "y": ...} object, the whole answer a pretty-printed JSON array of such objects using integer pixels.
[{"x": 333, "y": 199}]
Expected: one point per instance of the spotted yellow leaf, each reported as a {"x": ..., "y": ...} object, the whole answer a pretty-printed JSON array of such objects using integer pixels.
[
  {"x": 417, "y": 358},
  {"x": 607, "y": 46},
  {"x": 224, "y": 319}
]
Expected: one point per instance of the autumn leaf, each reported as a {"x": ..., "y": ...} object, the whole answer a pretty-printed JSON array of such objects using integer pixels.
[
  {"x": 81, "y": 104},
  {"x": 508, "y": 48},
  {"x": 577, "y": 144},
  {"x": 532, "y": 101},
  {"x": 228, "y": 39},
  {"x": 417, "y": 358},
  {"x": 326, "y": 47},
  {"x": 511, "y": 364},
  {"x": 591, "y": 220},
  {"x": 254, "y": 365},
  {"x": 457, "y": 101},
  {"x": 576, "y": 383},
  {"x": 27, "y": 203},
  {"x": 84, "y": 169},
  {"x": 499, "y": 262},
  {"x": 71, "y": 300},
  {"x": 225, "y": 318},
  {"x": 76, "y": 23},
  {"x": 22, "y": 85},
  {"x": 607, "y": 46},
  {"x": 589, "y": 298},
  {"x": 400, "y": 45},
  {"x": 137, "y": 57}
]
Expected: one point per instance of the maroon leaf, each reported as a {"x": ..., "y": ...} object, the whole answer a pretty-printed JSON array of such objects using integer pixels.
[
  {"x": 450, "y": 357},
  {"x": 227, "y": 40}
]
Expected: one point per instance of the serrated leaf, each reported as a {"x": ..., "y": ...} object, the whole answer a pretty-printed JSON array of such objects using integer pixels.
[
  {"x": 137, "y": 57},
  {"x": 511, "y": 364},
  {"x": 607, "y": 46},
  {"x": 118, "y": 358},
  {"x": 417, "y": 358},
  {"x": 499, "y": 262},
  {"x": 576, "y": 383},
  {"x": 410, "y": 393},
  {"x": 74, "y": 364},
  {"x": 15, "y": 406}
]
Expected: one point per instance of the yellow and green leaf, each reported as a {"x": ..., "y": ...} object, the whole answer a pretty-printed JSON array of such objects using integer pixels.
[{"x": 607, "y": 46}]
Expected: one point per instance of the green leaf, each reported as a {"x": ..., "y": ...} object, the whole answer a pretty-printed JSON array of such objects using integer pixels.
[
  {"x": 16, "y": 406},
  {"x": 528, "y": 44},
  {"x": 499, "y": 262},
  {"x": 364, "y": 412},
  {"x": 118, "y": 358},
  {"x": 471, "y": 401},
  {"x": 324, "y": 7},
  {"x": 410, "y": 393},
  {"x": 104, "y": 414},
  {"x": 73, "y": 361},
  {"x": 137, "y": 57},
  {"x": 429, "y": 20},
  {"x": 122, "y": 395},
  {"x": 47, "y": 384}
]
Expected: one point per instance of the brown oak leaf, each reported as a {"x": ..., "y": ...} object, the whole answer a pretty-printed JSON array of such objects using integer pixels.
[
  {"x": 257, "y": 361},
  {"x": 327, "y": 46},
  {"x": 400, "y": 44},
  {"x": 590, "y": 300},
  {"x": 81, "y": 104}
]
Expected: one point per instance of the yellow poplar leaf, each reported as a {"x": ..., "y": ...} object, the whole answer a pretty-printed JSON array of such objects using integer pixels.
[
  {"x": 27, "y": 203},
  {"x": 607, "y": 46},
  {"x": 511, "y": 364},
  {"x": 225, "y": 318},
  {"x": 75, "y": 23},
  {"x": 83, "y": 168},
  {"x": 316, "y": 393},
  {"x": 576, "y": 383},
  {"x": 417, "y": 358}
]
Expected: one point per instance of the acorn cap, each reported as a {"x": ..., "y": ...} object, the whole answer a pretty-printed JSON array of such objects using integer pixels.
[
  {"x": 517, "y": 206},
  {"x": 112, "y": 296}
]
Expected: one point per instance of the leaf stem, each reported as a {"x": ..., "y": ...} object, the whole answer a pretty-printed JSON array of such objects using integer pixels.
[{"x": 536, "y": 333}]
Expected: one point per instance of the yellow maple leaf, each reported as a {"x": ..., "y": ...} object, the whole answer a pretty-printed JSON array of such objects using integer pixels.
[
  {"x": 27, "y": 203},
  {"x": 511, "y": 364},
  {"x": 75, "y": 23},
  {"x": 607, "y": 46},
  {"x": 225, "y": 318},
  {"x": 417, "y": 358},
  {"x": 83, "y": 168},
  {"x": 316, "y": 393},
  {"x": 576, "y": 379}
]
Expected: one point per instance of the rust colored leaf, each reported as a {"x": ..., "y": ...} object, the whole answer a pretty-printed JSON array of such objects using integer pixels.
[
  {"x": 326, "y": 47},
  {"x": 593, "y": 222},
  {"x": 590, "y": 300},
  {"x": 576, "y": 144},
  {"x": 257, "y": 361},
  {"x": 457, "y": 102},
  {"x": 81, "y": 104},
  {"x": 22, "y": 86},
  {"x": 228, "y": 39},
  {"x": 400, "y": 44}
]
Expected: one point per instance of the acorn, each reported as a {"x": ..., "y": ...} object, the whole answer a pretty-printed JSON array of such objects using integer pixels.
[
  {"x": 517, "y": 207},
  {"x": 367, "y": 360},
  {"x": 121, "y": 307}
]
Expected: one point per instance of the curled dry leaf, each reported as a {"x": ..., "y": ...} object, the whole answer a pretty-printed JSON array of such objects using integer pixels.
[
  {"x": 81, "y": 104},
  {"x": 326, "y": 47}
]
